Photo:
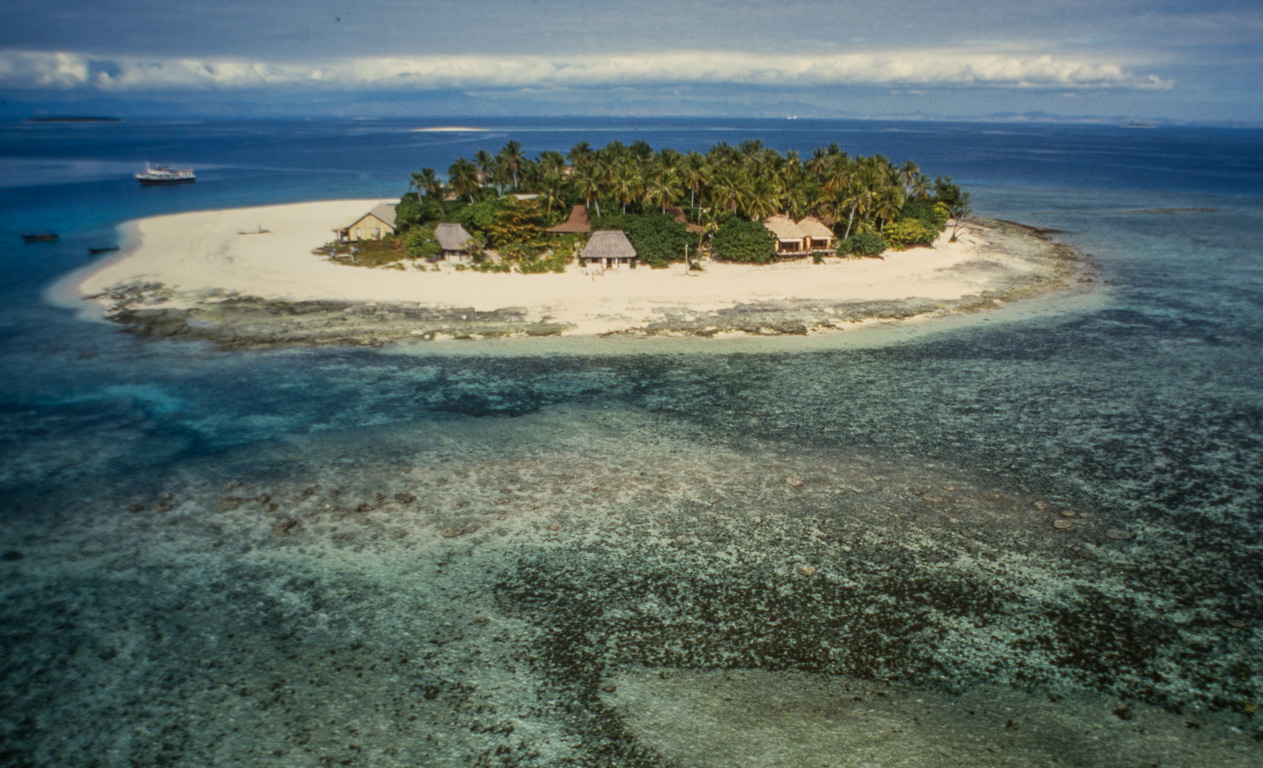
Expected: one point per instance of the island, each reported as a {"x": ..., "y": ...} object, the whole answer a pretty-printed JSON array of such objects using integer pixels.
[{"x": 621, "y": 240}]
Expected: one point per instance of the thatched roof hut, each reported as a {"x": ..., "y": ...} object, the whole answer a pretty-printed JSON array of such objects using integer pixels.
[
  {"x": 578, "y": 223},
  {"x": 784, "y": 228},
  {"x": 453, "y": 239},
  {"x": 799, "y": 238},
  {"x": 452, "y": 236},
  {"x": 815, "y": 229},
  {"x": 609, "y": 247}
]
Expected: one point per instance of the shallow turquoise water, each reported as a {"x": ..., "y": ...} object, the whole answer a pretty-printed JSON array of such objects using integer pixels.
[{"x": 211, "y": 564}]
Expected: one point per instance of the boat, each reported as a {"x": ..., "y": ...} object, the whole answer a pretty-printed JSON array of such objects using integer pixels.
[
  {"x": 164, "y": 174},
  {"x": 41, "y": 237},
  {"x": 103, "y": 249}
]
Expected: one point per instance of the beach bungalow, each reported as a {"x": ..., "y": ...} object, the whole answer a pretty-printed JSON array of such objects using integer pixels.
[
  {"x": 817, "y": 236},
  {"x": 373, "y": 225},
  {"x": 454, "y": 241},
  {"x": 796, "y": 239},
  {"x": 578, "y": 223},
  {"x": 608, "y": 249},
  {"x": 790, "y": 238}
]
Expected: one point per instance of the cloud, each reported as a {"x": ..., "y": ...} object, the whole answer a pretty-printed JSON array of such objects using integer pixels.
[{"x": 922, "y": 67}]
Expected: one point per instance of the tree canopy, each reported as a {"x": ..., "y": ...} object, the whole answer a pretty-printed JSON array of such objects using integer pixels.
[{"x": 722, "y": 189}]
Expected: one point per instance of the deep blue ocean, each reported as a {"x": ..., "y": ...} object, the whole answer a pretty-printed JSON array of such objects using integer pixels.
[{"x": 527, "y": 556}]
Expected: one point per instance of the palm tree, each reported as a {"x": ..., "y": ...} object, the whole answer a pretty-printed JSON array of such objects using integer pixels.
[
  {"x": 888, "y": 202},
  {"x": 512, "y": 156},
  {"x": 909, "y": 172},
  {"x": 552, "y": 162},
  {"x": 920, "y": 188},
  {"x": 580, "y": 153},
  {"x": 625, "y": 183},
  {"x": 426, "y": 179},
  {"x": 550, "y": 191},
  {"x": 463, "y": 176},
  {"x": 695, "y": 172},
  {"x": 641, "y": 150},
  {"x": 802, "y": 198},
  {"x": 589, "y": 182},
  {"x": 662, "y": 187},
  {"x": 818, "y": 162},
  {"x": 485, "y": 163},
  {"x": 613, "y": 151},
  {"x": 762, "y": 199},
  {"x": 729, "y": 188},
  {"x": 721, "y": 155}
]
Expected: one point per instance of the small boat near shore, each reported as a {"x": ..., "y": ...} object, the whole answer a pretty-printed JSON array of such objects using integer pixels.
[
  {"x": 103, "y": 249},
  {"x": 164, "y": 174},
  {"x": 41, "y": 237}
]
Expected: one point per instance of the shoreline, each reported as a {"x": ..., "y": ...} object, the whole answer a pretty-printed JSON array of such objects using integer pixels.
[{"x": 210, "y": 276}]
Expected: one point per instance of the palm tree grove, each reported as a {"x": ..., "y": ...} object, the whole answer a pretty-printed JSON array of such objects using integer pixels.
[{"x": 673, "y": 206}]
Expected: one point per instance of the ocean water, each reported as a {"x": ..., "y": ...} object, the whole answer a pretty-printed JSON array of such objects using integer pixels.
[{"x": 833, "y": 551}]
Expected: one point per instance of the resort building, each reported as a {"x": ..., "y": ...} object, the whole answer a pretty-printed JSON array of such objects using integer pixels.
[
  {"x": 454, "y": 240},
  {"x": 373, "y": 225},
  {"x": 609, "y": 249},
  {"x": 578, "y": 223},
  {"x": 799, "y": 238}
]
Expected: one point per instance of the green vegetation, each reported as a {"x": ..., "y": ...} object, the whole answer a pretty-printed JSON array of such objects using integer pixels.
[
  {"x": 906, "y": 233},
  {"x": 868, "y": 202},
  {"x": 658, "y": 239},
  {"x": 741, "y": 240},
  {"x": 863, "y": 244},
  {"x": 366, "y": 253}
]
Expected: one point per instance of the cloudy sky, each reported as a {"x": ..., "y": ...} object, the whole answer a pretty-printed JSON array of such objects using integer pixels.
[{"x": 1132, "y": 59}]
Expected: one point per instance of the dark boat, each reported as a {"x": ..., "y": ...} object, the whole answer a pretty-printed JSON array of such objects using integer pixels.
[
  {"x": 163, "y": 174},
  {"x": 103, "y": 249},
  {"x": 40, "y": 237}
]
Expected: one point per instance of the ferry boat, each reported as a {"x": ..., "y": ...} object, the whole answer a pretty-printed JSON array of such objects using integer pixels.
[{"x": 163, "y": 174}]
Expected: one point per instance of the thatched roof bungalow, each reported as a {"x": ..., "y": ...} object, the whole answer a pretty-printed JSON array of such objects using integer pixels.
[
  {"x": 609, "y": 248},
  {"x": 819, "y": 237},
  {"x": 454, "y": 240},
  {"x": 578, "y": 223},
  {"x": 374, "y": 225},
  {"x": 799, "y": 238}
]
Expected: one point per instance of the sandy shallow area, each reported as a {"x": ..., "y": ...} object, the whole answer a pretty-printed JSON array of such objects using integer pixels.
[
  {"x": 585, "y": 587},
  {"x": 249, "y": 277}
]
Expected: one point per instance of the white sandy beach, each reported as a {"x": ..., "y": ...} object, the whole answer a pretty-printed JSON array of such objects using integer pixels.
[{"x": 201, "y": 254}]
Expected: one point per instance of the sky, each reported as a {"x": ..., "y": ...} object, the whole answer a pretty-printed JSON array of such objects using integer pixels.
[{"x": 1160, "y": 60}]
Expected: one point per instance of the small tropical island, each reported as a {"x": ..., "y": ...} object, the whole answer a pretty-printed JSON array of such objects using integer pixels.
[{"x": 593, "y": 242}]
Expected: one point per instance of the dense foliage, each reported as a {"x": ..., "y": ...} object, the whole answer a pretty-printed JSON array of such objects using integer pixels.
[
  {"x": 863, "y": 244},
  {"x": 906, "y": 233},
  {"x": 932, "y": 214},
  {"x": 658, "y": 239},
  {"x": 741, "y": 240},
  {"x": 867, "y": 201}
]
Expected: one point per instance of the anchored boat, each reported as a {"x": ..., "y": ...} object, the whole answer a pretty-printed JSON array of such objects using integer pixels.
[{"x": 163, "y": 174}]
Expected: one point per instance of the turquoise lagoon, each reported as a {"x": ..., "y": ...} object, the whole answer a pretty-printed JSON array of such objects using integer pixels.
[{"x": 834, "y": 551}]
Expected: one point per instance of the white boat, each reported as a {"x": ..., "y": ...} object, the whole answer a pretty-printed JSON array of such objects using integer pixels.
[{"x": 163, "y": 174}]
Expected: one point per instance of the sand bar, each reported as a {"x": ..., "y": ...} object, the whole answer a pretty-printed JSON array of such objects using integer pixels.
[{"x": 214, "y": 275}]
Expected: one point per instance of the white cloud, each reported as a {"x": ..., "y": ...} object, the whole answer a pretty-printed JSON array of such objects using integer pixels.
[{"x": 19, "y": 69}]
